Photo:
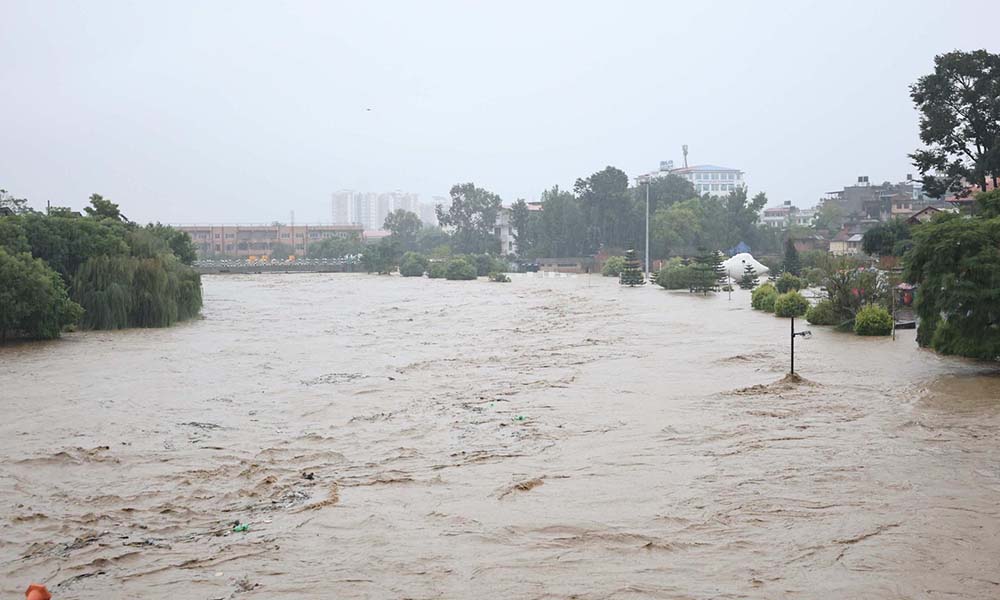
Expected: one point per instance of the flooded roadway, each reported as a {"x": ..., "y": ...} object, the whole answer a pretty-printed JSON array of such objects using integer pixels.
[{"x": 549, "y": 438}]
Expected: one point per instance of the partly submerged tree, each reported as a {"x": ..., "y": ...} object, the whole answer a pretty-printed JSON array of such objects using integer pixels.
[
  {"x": 33, "y": 299},
  {"x": 413, "y": 265},
  {"x": 704, "y": 274},
  {"x": 749, "y": 280},
  {"x": 381, "y": 257},
  {"x": 959, "y": 106},
  {"x": 956, "y": 264},
  {"x": 631, "y": 274}
]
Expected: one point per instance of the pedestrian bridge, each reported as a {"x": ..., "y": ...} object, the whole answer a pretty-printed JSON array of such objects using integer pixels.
[{"x": 304, "y": 265}]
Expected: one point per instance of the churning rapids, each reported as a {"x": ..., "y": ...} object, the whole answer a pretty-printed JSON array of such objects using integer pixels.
[{"x": 549, "y": 438}]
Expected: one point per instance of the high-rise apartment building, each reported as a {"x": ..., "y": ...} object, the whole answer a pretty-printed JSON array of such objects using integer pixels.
[{"x": 369, "y": 209}]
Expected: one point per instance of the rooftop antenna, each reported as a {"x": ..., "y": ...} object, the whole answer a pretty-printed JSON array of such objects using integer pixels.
[
  {"x": 685, "y": 149},
  {"x": 292, "y": 219}
]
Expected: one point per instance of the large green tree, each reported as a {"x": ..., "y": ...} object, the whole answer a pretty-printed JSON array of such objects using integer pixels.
[
  {"x": 473, "y": 215},
  {"x": 791, "y": 264},
  {"x": 709, "y": 221},
  {"x": 433, "y": 239},
  {"x": 741, "y": 215},
  {"x": 404, "y": 226},
  {"x": 561, "y": 229},
  {"x": 665, "y": 191},
  {"x": 959, "y": 106},
  {"x": 829, "y": 217},
  {"x": 33, "y": 299},
  {"x": 956, "y": 264},
  {"x": 521, "y": 222},
  {"x": 676, "y": 229},
  {"x": 883, "y": 239},
  {"x": 381, "y": 257},
  {"x": 608, "y": 208}
]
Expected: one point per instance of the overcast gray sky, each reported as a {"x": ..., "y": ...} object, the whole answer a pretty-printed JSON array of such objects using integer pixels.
[{"x": 242, "y": 111}]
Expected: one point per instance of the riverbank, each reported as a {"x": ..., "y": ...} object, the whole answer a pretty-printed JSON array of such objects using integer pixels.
[{"x": 388, "y": 437}]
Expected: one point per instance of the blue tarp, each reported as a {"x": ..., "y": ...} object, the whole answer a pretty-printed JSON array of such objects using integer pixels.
[{"x": 738, "y": 249}]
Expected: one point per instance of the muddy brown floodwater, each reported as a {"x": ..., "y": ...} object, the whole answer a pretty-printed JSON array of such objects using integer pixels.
[{"x": 548, "y": 438}]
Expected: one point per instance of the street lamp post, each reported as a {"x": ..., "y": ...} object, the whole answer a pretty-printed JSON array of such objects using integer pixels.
[
  {"x": 647, "y": 229},
  {"x": 804, "y": 334}
]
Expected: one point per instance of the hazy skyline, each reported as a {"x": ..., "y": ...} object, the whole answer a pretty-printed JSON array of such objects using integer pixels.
[{"x": 206, "y": 112}]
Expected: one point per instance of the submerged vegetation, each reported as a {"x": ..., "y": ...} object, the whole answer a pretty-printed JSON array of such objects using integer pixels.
[
  {"x": 98, "y": 271},
  {"x": 33, "y": 299}
]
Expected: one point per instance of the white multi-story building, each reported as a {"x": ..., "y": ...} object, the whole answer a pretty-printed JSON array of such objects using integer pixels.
[
  {"x": 804, "y": 217},
  {"x": 707, "y": 179},
  {"x": 505, "y": 232},
  {"x": 787, "y": 215}
]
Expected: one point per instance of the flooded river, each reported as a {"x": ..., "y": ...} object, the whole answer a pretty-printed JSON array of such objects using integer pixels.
[{"x": 549, "y": 438}]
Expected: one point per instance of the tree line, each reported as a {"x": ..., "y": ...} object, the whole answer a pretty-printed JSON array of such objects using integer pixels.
[
  {"x": 604, "y": 212},
  {"x": 96, "y": 270}
]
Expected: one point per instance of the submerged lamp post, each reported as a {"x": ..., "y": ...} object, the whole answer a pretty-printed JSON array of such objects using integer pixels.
[
  {"x": 804, "y": 334},
  {"x": 647, "y": 180}
]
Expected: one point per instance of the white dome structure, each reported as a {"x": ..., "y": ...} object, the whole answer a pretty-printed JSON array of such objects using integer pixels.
[{"x": 737, "y": 265}]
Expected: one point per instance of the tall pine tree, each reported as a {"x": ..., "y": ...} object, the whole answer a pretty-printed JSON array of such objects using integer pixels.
[
  {"x": 631, "y": 275},
  {"x": 704, "y": 273},
  {"x": 792, "y": 264},
  {"x": 749, "y": 280},
  {"x": 721, "y": 275}
]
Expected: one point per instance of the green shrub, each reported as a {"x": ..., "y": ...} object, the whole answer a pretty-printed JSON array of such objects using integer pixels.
[
  {"x": 763, "y": 297},
  {"x": 499, "y": 277},
  {"x": 873, "y": 320},
  {"x": 674, "y": 277},
  {"x": 413, "y": 265},
  {"x": 790, "y": 304},
  {"x": 822, "y": 313},
  {"x": 613, "y": 267},
  {"x": 788, "y": 283},
  {"x": 438, "y": 270},
  {"x": 460, "y": 269}
]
